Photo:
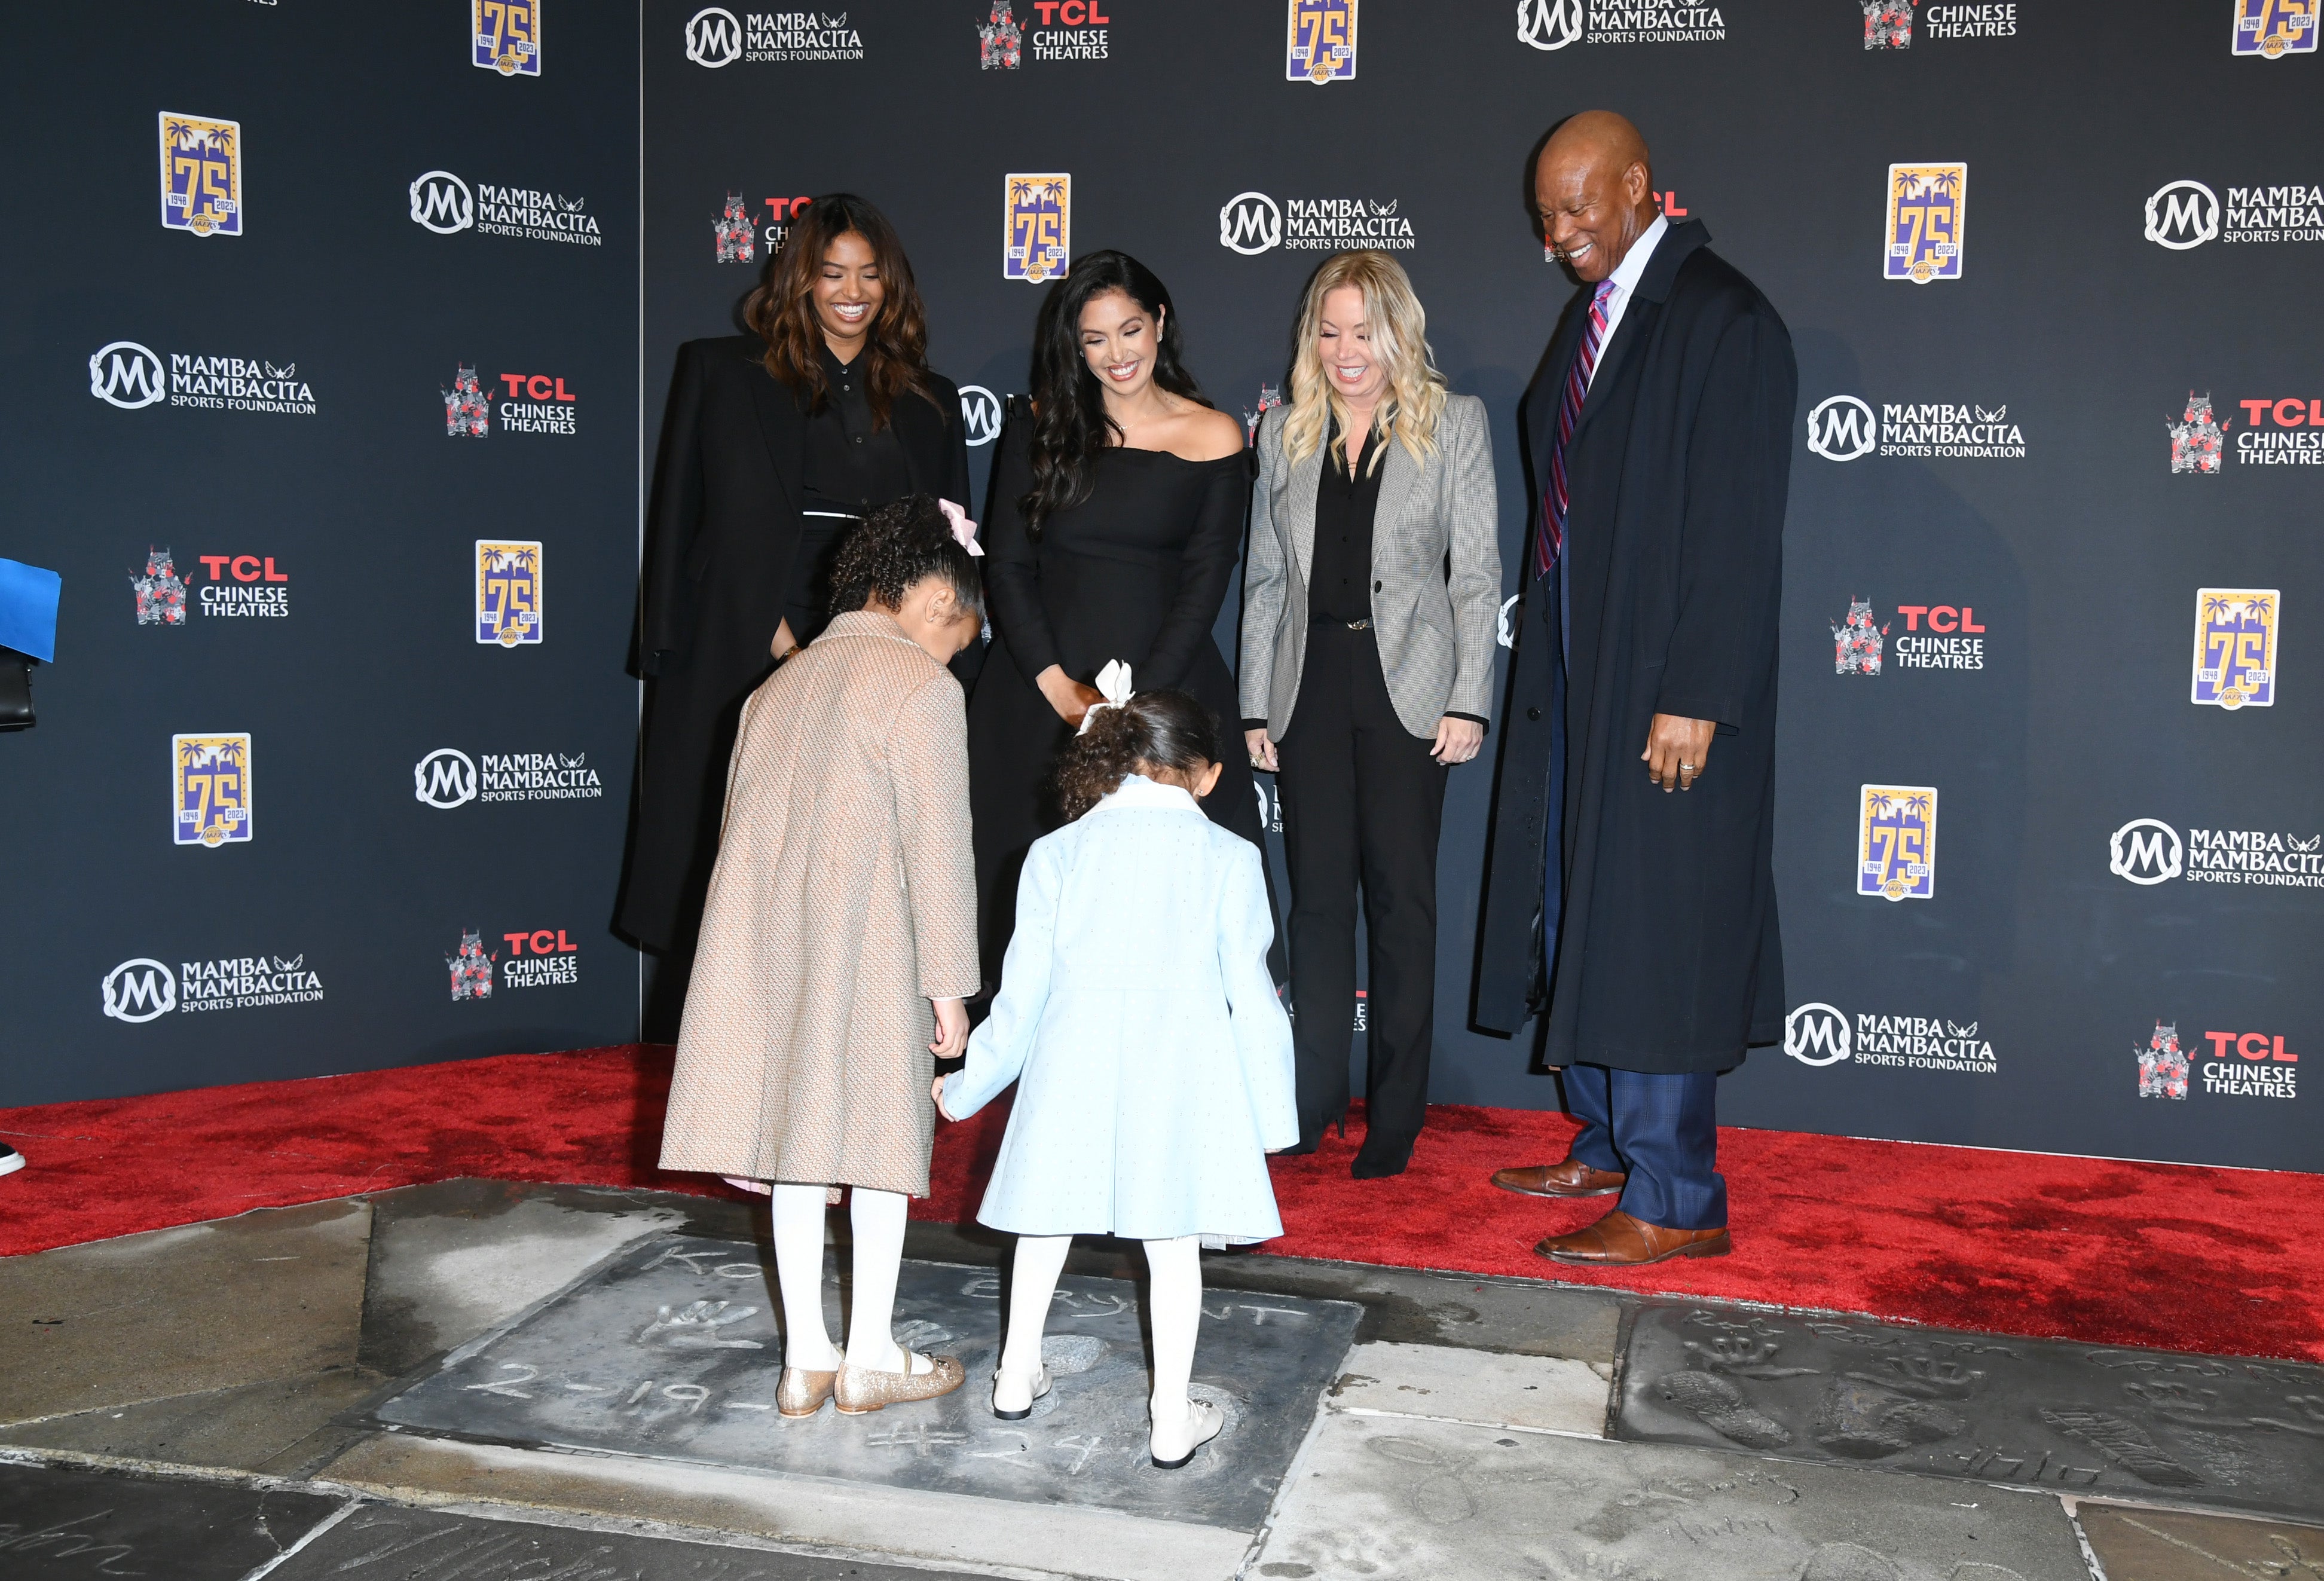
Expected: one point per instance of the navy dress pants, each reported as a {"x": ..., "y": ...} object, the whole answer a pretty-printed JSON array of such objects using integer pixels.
[
  {"x": 1663, "y": 1132},
  {"x": 1660, "y": 1129}
]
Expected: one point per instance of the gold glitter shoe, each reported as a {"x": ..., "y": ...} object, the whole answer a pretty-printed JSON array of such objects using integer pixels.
[
  {"x": 801, "y": 1393},
  {"x": 863, "y": 1390}
]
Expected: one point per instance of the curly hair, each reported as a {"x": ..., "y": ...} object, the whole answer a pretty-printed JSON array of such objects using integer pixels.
[
  {"x": 781, "y": 310},
  {"x": 1161, "y": 729},
  {"x": 897, "y": 546}
]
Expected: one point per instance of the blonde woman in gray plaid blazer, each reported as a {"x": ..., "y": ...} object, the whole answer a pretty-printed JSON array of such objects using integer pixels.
[{"x": 1370, "y": 610}]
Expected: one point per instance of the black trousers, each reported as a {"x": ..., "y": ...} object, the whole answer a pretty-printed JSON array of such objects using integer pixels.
[{"x": 1362, "y": 800}]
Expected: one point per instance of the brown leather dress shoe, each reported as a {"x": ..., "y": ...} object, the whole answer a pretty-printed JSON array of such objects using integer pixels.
[
  {"x": 1619, "y": 1240},
  {"x": 1566, "y": 1178}
]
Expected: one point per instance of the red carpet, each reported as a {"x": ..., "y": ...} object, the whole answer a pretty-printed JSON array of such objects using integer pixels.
[{"x": 2224, "y": 1261}]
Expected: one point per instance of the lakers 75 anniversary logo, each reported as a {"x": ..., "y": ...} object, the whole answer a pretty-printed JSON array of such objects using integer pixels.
[
  {"x": 201, "y": 175},
  {"x": 1897, "y": 841},
  {"x": 1037, "y": 227},
  {"x": 1322, "y": 44},
  {"x": 508, "y": 593},
  {"x": 2273, "y": 29},
  {"x": 1926, "y": 206},
  {"x": 2235, "y": 646},
  {"x": 507, "y": 36},
  {"x": 210, "y": 785}
]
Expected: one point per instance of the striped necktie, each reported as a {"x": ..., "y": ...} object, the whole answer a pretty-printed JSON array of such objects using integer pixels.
[{"x": 1551, "y": 541}]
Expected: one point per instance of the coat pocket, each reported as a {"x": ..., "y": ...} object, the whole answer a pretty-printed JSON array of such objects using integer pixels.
[{"x": 1434, "y": 609}]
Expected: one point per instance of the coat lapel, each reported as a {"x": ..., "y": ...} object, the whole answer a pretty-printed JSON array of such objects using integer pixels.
[
  {"x": 1398, "y": 477},
  {"x": 1299, "y": 493},
  {"x": 1541, "y": 395},
  {"x": 920, "y": 425},
  {"x": 1645, "y": 312},
  {"x": 1637, "y": 327},
  {"x": 782, "y": 426}
]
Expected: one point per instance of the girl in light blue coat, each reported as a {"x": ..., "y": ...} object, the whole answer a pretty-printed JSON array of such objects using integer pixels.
[{"x": 1152, "y": 1056}]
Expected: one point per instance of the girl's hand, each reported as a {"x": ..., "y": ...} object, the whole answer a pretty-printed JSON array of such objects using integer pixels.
[
  {"x": 951, "y": 1029},
  {"x": 784, "y": 644},
  {"x": 936, "y": 1092},
  {"x": 1457, "y": 740},
  {"x": 1069, "y": 697},
  {"x": 1261, "y": 747}
]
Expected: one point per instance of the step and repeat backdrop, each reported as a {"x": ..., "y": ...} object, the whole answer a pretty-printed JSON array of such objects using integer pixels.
[
  {"x": 2050, "y": 842},
  {"x": 321, "y": 393},
  {"x": 324, "y": 394}
]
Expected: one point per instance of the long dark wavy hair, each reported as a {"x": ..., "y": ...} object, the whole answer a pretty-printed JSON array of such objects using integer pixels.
[
  {"x": 1161, "y": 729},
  {"x": 781, "y": 310},
  {"x": 1070, "y": 426}
]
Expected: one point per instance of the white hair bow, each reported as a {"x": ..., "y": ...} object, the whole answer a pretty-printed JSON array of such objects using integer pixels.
[
  {"x": 1113, "y": 683},
  {"x": 964, "y": 530}
]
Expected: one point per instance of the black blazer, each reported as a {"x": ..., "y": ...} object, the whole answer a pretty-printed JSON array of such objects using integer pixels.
[
  {"x": 1679, "y": 469},
  {"x": 722, "y": 530}
]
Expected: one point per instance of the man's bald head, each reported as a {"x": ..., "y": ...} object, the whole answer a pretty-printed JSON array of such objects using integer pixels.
[{"x": 1593, "y": 188}]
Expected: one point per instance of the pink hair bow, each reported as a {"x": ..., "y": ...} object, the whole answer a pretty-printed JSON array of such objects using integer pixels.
[{"x": 964, "y": 530}]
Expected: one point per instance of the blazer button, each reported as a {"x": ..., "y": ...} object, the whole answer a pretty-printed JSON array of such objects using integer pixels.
[
  {"x": 1533, "y": 713},
  {"x": 1376, "y": 586}
]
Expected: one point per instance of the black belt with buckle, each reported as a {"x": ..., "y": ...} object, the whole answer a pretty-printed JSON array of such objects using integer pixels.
[{"x": 1353, "y": 626}]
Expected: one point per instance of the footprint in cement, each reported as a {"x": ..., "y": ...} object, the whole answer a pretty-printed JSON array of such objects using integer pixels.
[
  {"x": 1441, "y": 1497},
  {"x": 1846, "y": 1562},
  {"x": 2122, "y": 1440},
  {"x": 1720, "y": 1406},
  {"x": 1066, "y": 1354},
  {"x": 1866, "y": 1420}
]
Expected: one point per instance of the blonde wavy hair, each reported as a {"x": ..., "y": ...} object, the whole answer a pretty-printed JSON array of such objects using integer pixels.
[{"x": 1414, "y": 398}]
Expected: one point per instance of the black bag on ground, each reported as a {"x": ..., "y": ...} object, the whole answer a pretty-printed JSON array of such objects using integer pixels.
[{"x": 15, "y": 690}]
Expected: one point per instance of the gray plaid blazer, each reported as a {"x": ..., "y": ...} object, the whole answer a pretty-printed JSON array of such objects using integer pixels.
[{"x": 1436, "y": 574}]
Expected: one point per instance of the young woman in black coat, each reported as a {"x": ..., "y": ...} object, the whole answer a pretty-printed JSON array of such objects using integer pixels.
[
  {"x": 1114, "y": 525},
  {"x": 775, "y": 443}
]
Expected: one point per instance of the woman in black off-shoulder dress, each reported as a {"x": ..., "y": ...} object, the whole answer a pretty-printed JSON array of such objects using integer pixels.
[{"x": 1138, "y": 493}]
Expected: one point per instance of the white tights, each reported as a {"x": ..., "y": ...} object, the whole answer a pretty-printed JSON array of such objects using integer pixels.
[
  {"x": 877, "y": 1218},
  {"x": 1174, "y": 1309}
]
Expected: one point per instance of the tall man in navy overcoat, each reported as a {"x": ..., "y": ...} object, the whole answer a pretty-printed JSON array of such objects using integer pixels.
[{"x": 1631, "y": 888}]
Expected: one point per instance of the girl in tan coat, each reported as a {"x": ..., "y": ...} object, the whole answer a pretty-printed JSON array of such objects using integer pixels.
[{"x": 838, "y": 942}]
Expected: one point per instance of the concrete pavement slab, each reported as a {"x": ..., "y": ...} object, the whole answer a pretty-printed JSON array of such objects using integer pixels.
[
  {"x": 2079, "y": 1419},
  {"x": 2172, "y": 1544},
  {"x": 1546, "y": 1394},
  {"x": 672, "y": 1351},
  {"x": 1406, "y": 1305},
  {"x": 275, "y": 1293},
  {"x": 907, "y": 1524},
  {"x": 452, "y": 1260},
  {"x": 1376, "y": 1497},
  {"x": 259, "y": 1427},
  {"x": 64, "y": 1523},
  {"x": 386, "y": 1542}
]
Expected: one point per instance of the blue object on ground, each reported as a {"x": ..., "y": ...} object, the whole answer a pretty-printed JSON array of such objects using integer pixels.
[{"x": 28, "y": 609}]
